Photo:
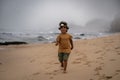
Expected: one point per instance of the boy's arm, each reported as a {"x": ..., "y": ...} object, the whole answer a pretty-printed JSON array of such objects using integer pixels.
[
  {"x": 71, "y": 42},
  {"x": 57, "y": 41}
]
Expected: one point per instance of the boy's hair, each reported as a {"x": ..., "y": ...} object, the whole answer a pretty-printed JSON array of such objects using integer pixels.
[{"x": 63, "y": 24}]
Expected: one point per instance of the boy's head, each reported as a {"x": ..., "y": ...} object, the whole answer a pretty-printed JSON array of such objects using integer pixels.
[{"x": 63, "y": 24}]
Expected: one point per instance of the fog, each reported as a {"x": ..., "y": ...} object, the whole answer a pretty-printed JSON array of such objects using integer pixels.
[{"x": 45, "y": 15}]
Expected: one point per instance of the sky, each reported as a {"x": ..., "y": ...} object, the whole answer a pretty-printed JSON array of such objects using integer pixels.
[{"x": 45, "y": 15}]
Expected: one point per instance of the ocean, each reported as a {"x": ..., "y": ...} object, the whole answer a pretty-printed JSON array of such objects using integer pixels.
[{"x": 44, "y": 37}]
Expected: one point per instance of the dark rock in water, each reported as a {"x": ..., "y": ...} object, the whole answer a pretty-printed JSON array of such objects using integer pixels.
[
  {"x": 41, "y": 38},
  {"x": 12, "y": 43},
  {"x": 56, "y": 33},
  {"x": 82, "y": 34},
  {"x": 77, "y": 38}
]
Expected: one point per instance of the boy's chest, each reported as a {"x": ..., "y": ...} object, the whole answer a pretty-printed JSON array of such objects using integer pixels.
[{"x": 64, "y": 37}]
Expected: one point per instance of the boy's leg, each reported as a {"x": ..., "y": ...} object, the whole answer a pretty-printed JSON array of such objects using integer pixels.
[
  {"x": 60, "y": 56},
  {"x": 65, "y": 58},
  {"x": 65, "y": 66},
  {"x": 62, "y": 64}
]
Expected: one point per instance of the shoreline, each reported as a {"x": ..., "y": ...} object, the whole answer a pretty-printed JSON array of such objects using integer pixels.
[
  {"x": 7, "y": 43},
  {"x": 13, "y": 38}
]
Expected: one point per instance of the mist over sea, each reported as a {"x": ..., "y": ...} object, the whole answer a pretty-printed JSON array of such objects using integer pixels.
[
  {"x": 93, "y": 29},
  {"x": 37, "y": 21}
]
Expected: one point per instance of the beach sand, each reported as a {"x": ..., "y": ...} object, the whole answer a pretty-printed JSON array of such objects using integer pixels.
[{"x": 92, "y": 59}]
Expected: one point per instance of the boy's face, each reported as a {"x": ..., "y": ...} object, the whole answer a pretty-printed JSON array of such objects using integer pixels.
[{"x": 63, "y": 29}]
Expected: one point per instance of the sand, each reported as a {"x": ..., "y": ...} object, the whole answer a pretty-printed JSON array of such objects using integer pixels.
[{"x": 93, "y": 59}]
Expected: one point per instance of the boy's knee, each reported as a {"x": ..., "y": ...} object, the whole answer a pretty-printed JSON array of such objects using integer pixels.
[{"x": 65, "y": 60}]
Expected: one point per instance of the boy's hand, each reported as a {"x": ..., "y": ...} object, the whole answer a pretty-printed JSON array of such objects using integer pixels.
[
  {"x": 71, "y": 47},
  {"x": 56, "y": 44}
]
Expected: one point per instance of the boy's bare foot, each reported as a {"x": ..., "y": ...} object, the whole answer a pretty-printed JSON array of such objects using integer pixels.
[
  {"x": 61, "y": 64},
  {"x": 62, "y": 68},
  {"x": 64, "y": 71}
]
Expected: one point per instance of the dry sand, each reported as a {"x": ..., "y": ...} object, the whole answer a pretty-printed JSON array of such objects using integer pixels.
[{"x": 93, "y": 59}]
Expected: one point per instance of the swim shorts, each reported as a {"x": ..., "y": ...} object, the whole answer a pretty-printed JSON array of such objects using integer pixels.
[{"x": 63, "y": 56}]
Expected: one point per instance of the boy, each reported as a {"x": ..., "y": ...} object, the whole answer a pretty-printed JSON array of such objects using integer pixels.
[{"x": 64, "y": 40}]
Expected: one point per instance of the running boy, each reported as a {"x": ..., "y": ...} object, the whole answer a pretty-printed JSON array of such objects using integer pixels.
[{"x": 64, "y": 40}]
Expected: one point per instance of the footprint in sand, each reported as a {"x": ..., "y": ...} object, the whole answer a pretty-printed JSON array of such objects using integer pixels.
[
  {"x": 1, "y": 63},
  {"x": 108, "y": 77},
  {"x": 49, "y": 73},
  {"x": 90, "y": 79},
  {"x": 47, "y": 67},
  {"x": 118, "y": 71},
  {"x": 117, "y": 47},
  {"x": 32, "y": 61},
  {"x": 37, "y": 73},
  {"x": 103, "y": 54},
  {"x": 98, "y": 52},
  {"x": 51, "y": 77},
  {"x": 56, "y": 63},
  {"x": 118, "y": 53},
  {"x": 107, "y": 49},
  {"x": 104, "y": 77},
  {"x": 78, "y": 58},
  {"x": 52, "y": 73},
  {"x": 115, "y": 74},
  {"x": 102, "y": 63},
  {"x": 55, "y": 70},
  {"x": 88, "y": 63},
  {"x": 98, "y": 68},
  {"x": 97, "y": 73},
  {"x": 112, "y": 59},
  {"x": 100, "y": 58},
  {"x": 76, "y": 62}
]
